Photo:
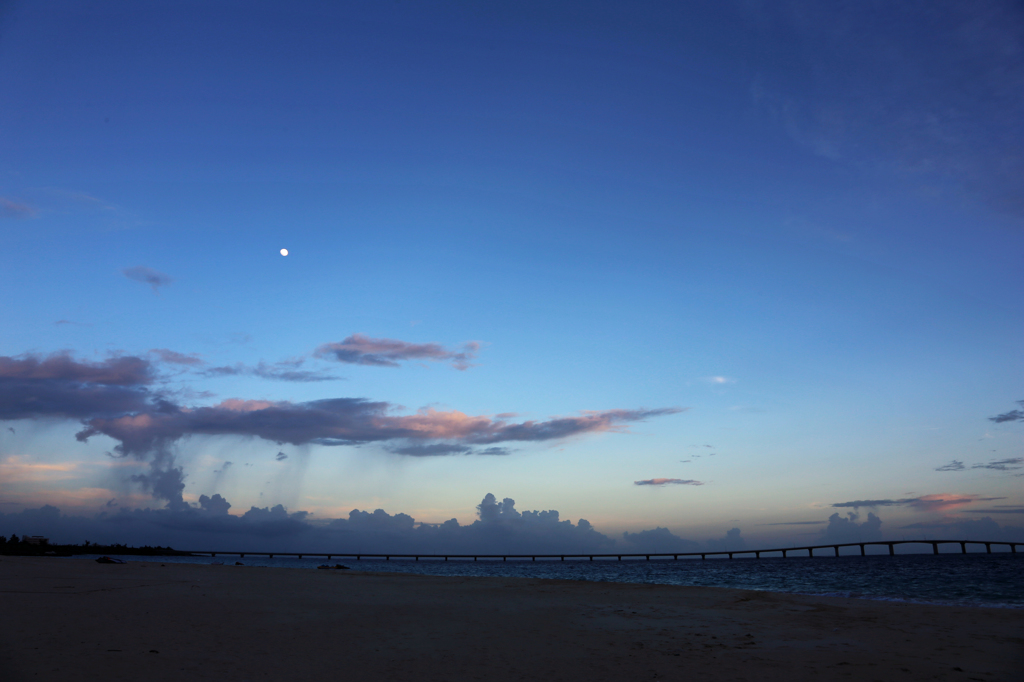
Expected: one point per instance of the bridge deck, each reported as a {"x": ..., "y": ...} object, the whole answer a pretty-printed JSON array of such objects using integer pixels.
[{"x": 891, "y": 544}]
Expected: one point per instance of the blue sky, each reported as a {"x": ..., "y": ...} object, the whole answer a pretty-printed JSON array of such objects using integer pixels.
[{"x": 791, "y": 232}]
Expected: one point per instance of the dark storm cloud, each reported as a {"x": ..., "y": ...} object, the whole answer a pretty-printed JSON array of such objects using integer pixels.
[
  {"x": 358, "y": 349},
  {"x": 155, "y": 279},
  {"x": 280, "y": 457}
]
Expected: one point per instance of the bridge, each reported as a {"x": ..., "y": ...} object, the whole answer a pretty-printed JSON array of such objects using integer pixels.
[{"x": 785, "y": 551}]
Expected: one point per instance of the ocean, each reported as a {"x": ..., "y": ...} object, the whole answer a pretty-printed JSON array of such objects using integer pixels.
[{"x": 989, "y": 580}]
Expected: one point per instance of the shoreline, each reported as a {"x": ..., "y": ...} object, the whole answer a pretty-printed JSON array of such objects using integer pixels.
[
  {"x": 82, "y": 620},
  {"x": 562, "y": 571}
]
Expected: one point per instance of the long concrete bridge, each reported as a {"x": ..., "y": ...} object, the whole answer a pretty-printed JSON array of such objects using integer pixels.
[{"x": 785, "y": 551}]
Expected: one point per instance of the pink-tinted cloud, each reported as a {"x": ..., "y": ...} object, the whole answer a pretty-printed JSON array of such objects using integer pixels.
[
  {"x": 14, "y": 209},
  {"x": 340, "y": 421},
  {"x": 668, "y": 481},
  {"x": 176, "y": 358},
  {"x": 364, "y": 350},
  {"x": 126, "y": 370}
]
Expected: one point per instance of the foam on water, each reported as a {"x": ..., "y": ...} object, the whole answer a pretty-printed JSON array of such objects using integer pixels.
[{"x": 991, "y": 580}]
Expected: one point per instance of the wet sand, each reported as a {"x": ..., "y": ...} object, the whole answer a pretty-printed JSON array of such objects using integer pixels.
[{"x": 74, "y": 619}]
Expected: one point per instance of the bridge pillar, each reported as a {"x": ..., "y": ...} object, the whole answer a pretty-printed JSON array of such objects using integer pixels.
[
  {"x": 241, "y": 556},
  {"x": 836, "y": 548},
  {"x": 387, "y": 558},
  {"x": 417, "y": 558},
  {"x": 730, "y": 555},
  {"x": 703, "y": 556},
  {"x": 892, "y": 550},
  {"x": 783, "y": 554},
  {"x": 935, "y": 548},
  {"x": 988, "y": 547},
  {"x": 1013, "y": 548},
  {"x": 271, "y": 556},
  {"x": 300, "y": 556},
  {"x": 757, "y": 555},
  {"x": 329, "y": 557},
  {"x": 474, "y": 558},
  {"x": 620, "y": 557},
  {"x": 446, "y": 558},
  {"x": 563, "y": 558},
  {"x": 358, "y": 558},
  {"x": 504, "y": 558},
  {"x": 810, "y": 551},
  {"x": 675, "y": 557},
  {"x": 533, "y": 558},
  {"x": 648, "y": 557},
  {"x": 591, "y": 558},
  {"x": 862, "y": 550},
  {"x": 213, "y": 554}
]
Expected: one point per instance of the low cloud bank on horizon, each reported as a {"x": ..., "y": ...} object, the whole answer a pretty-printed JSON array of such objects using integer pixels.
[{"x": 499, "y": 529}]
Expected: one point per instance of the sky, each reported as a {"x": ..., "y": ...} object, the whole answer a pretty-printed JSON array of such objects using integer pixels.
[{"x": 576, "y": 274}]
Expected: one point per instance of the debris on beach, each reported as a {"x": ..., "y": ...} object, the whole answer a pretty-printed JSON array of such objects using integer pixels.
[{"x": 109, "y": 560}]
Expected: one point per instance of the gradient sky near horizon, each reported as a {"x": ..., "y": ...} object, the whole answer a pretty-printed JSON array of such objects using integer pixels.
[{"x": 691, "y": 265}]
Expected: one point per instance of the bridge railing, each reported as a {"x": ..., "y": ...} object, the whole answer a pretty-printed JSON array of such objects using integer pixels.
[{"x": 785, "y": 551}]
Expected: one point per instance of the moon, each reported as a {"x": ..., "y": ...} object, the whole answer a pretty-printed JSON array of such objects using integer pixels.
[{"x": 284, "y": 252}]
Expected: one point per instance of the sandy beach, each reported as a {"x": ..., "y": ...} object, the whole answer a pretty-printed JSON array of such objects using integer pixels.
[{"x": 73, "y": 619}]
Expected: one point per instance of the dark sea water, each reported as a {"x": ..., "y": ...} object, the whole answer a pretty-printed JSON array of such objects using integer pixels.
[{"x": 991, "y": 580}]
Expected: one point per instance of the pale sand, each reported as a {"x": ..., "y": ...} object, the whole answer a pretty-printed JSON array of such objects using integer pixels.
[{"x": 73, "y": 619}]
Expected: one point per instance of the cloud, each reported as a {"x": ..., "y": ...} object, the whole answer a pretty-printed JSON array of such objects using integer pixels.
[
  {"x": 358, "y": 349},
  {"x": 58, "y": 386},
  {"x": 1011, "y": 416},
  {"x": 280, "y": 457},
  {"x": 433, "y": 450},
  {"x": 795, "y": 523},
  {"x": 668, "y": 481},
  {"x": 1011, "y": 464},
  {"x": 718, "y": 380},
  {"x": 731, "y": 542},
  {"x": 14, "y": 209},
  {"x": 930, "y": 503},
  {"x": 113, "y": 398},
  {"x": 286, "y": 370},
  {"x": 214, "y": 505},
  {"x": 846, "y": 529},
  {"x": 955, "y": 465},
  {"x": 155, "y": 279},
  {"x": 970, "y": 529},
  {"x": 337, "y": 421},
  {"x": 657, "y": 541},
  {"x": 175, "y": 358}
]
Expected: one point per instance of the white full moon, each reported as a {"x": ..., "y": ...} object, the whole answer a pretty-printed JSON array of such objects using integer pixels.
[{"x": 284, "y": 252}]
